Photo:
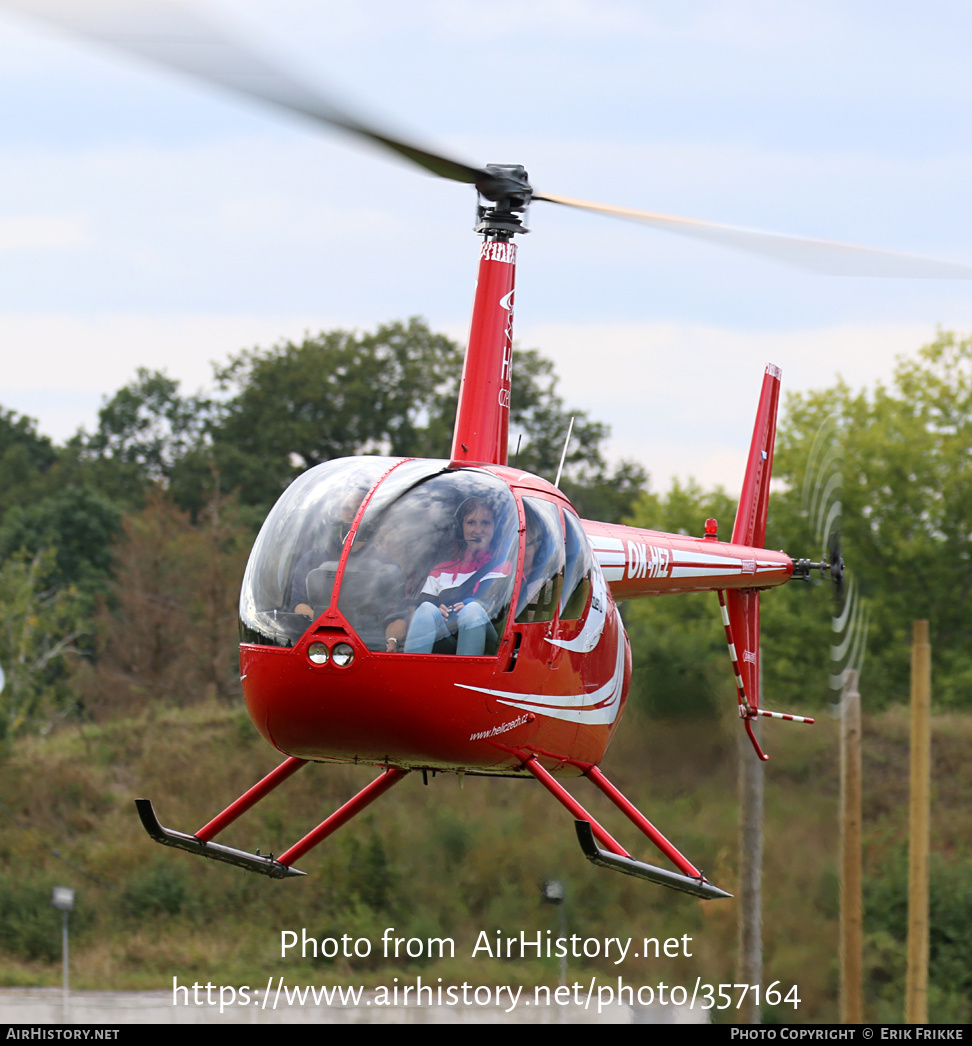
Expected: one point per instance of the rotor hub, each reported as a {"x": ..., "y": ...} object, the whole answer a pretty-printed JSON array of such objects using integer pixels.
[{"x": 508, "y": 189}]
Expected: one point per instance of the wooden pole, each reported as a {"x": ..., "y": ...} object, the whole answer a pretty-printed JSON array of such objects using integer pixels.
[
  {"x": 851, "y": 947},
  {"x": 749, "y": 961},
  {"x": 916, "y": 985}
]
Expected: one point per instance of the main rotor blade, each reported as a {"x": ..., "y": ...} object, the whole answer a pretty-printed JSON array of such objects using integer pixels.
[
  {"x": 821, "y": 256},
  {"x": 170, "y": 35},
  {"x": 173, "y": 36}
]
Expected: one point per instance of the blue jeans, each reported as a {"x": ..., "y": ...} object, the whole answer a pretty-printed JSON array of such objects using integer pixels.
[{"x": 428, "y": 626}]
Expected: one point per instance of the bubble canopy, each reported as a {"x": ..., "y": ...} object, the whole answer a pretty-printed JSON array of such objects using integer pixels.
[{"x": 417, "y": 557}]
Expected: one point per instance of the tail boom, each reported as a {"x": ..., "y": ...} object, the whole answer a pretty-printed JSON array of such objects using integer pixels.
[{"x": 639, "y": 562}]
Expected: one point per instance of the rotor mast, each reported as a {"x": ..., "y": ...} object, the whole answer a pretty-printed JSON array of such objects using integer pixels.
[{"x": 483, "y": 412}]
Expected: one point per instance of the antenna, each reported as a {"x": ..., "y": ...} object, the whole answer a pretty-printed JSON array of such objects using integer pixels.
[{"x": 563, "y": 457}]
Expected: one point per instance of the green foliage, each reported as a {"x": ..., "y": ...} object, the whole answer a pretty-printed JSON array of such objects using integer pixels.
[
  {"x": 392, "y": 391},
  {"x": 454, "y": 837},
  {"x": 25, "y": 458},
  {"x": 370, "y": 870},
  {"x": 681, "y": 668},
  {"x": 79, "y": 523},
  {"x": 29, "y": 926},
  {"x": 293, "y": 406},
  {"x": 147, "y": 426},
  {"x": 168, "y": 633},
  {"x": 40, "y": 628},
  {"x": 906, "y": 455},
  {"x": 949, "y": 945},
  {"x": 539, "y": 414},
  {"x": 409, "y": 865},
  {"x": 160, "y": 890}
]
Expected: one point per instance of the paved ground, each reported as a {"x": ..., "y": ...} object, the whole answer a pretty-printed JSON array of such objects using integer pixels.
[{"x": 46, "y": 1006}]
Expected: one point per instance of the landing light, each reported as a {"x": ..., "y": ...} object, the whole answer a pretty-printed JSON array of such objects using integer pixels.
[
  {"x": 343, "y": 654},
  {"x": 317, "y": 652}
]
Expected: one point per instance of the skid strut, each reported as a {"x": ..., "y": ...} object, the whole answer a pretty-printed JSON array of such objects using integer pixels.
[
  {"x": 610, "y": 853},
  {"x": 276, "y": 868}
]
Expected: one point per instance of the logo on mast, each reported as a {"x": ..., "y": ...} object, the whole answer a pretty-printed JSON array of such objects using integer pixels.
[{"x": 493, "y": 250}]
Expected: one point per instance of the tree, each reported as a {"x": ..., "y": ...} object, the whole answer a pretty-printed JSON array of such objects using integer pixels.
[
  {"x": 906, "y": 456},
  {"x": 78, "y": 523},
  {"x": 149, "y": 425},
  {"x": 25, "y": 458},
  {"x": 539, "y": 414},
  {"x": 168, "y": 633},
  {"x": 294, "y": 406},
  {"x": 144, "y": 431},
  {"x": 40, "y": 626},
  {"x": 681, "y": 666},
  {"x": 390, "y": 392}
]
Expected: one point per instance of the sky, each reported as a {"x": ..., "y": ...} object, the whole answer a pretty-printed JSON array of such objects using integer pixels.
[{"x": 149, "y": 220}]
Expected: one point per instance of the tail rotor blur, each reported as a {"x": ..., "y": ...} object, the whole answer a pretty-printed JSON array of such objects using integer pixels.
[{"x": 823, "y": 491}]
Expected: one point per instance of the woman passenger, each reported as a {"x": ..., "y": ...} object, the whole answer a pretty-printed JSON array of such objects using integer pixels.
[{"x": 456, "y": 593}]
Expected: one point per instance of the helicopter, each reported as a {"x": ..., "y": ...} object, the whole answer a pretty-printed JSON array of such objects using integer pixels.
[{"x": 457, "y": 615}]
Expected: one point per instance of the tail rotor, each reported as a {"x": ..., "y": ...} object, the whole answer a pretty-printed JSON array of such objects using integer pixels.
[{"x": 822, "y": 499}]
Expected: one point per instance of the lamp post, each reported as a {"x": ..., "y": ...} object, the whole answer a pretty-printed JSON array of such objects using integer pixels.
[
  {"x": 63, "y": 898},
  {"x": 552, "y": 891}
]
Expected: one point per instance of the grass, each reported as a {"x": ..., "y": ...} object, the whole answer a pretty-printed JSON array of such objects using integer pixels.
[{"x": 452, "y": 859}]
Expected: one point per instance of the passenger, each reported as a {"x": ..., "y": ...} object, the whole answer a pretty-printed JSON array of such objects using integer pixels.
[{"x": 453, "y": 609}]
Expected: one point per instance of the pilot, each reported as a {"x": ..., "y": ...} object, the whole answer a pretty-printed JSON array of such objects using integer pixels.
[
  {"x": 372, "y": 586},
  {"x": 335, "y": 534},
  {"x": 454, "y": 600}
]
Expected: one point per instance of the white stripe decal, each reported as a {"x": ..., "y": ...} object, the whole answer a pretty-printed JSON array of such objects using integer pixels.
[
  {"x": 685, "y": 556},
  {"x": 600, "y": 542},
  {"x": 678, "y": 571},
  {"x": 590, "y": 634},
  {"x": 595, "y": 709},
  {"x": 613, "y": 559}
]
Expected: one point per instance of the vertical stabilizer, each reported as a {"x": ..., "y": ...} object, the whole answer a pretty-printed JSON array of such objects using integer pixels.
[
  {"x": 750, "y": 529},
  {"x": 750, "y": 525}
]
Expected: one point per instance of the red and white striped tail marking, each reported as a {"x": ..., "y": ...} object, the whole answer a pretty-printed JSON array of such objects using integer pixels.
[
  {"x": 783, "y": 715},
  {"x": 744, "y": 707}
]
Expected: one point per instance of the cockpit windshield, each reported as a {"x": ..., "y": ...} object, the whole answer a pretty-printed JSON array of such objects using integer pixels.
[
  {"x": 430, "y": 568},
  {"x": 306, "y": 529}
]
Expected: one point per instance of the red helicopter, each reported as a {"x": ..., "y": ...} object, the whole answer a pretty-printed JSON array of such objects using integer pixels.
[{"x": 457, "y": 615}]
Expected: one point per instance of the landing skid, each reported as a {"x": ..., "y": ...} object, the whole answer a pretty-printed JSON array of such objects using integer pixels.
[
  {"x": 214, "y": 851},
  {"x": 700, "y": 887},
  {"x": 610, "y": 854},
  {"x": 598, "y": 845},
  {"x": 276, "y": 868}
]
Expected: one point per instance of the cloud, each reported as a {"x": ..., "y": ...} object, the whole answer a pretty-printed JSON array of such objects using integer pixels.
[
  {"x": 40, "y": 231},
  {"x": 681, "y": 397}
]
